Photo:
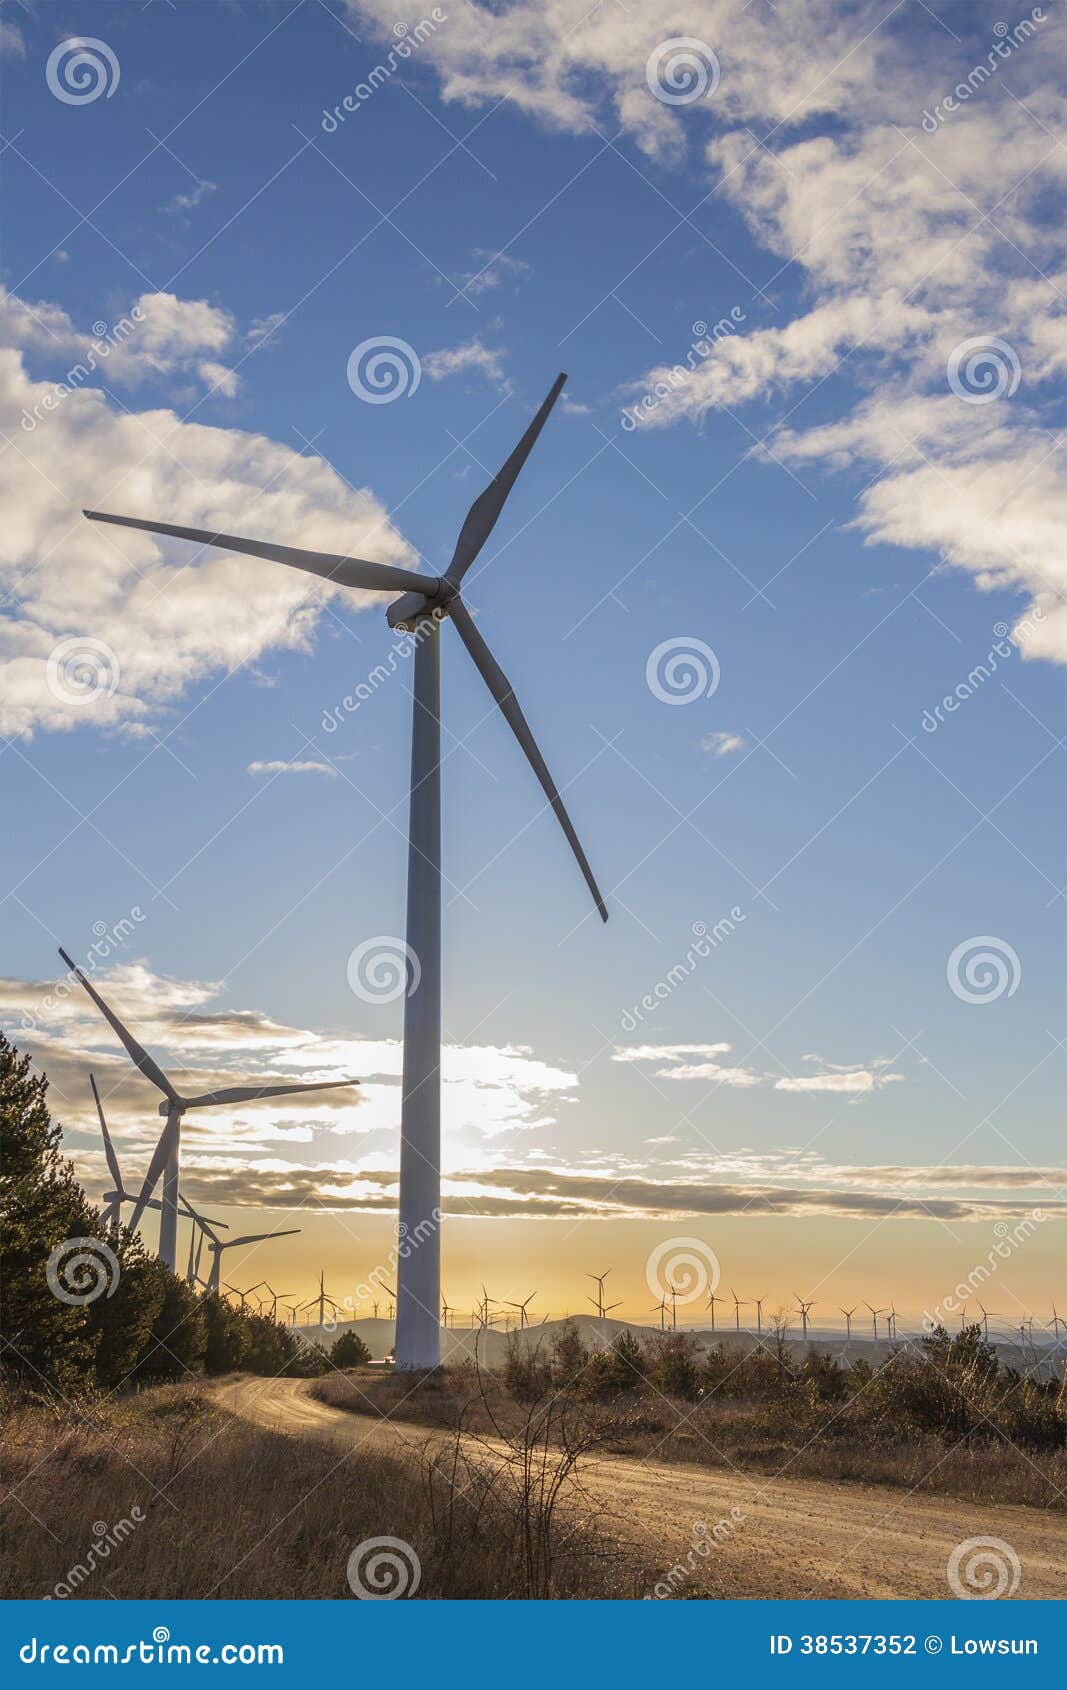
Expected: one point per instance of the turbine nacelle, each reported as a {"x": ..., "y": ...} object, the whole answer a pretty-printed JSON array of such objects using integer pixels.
[{"x": 403, "y": 614}]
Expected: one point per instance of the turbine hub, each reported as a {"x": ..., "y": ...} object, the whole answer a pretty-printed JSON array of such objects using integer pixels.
[{"x": 405, "y": 611}]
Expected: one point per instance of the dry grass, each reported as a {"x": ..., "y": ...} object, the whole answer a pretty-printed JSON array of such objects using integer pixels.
[
  {"x": 754, "y": 1437},
  {"x": 232, "y": 1510}
]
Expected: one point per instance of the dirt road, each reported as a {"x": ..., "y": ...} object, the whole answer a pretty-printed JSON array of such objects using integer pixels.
[{"x": 797, "y": 1538}]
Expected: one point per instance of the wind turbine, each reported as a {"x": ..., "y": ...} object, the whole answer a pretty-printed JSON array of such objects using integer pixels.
[
  {"x": 804, "y": 1307},
  {"x": 445, "y": 1311},
  {"x": 216, "y": 1245},
  {"x": 426, "y": 601},
  {"x": 737, "y": 1310},
  {"x": 712, "y": 1300},
  {"x": 848, "y": 1313},
  {"x": 891, "y": 1320},
  {"x": 274, "y": 1296},
  {"x": 322, "y": 1299},
  {"x": 166, "y": 1154},
  {"x": 111, "y": 1214},
  {"x": 524, "y": 1319},
  {"x": 661, "y": 1309},
  {"x": 1056, "y": 1324},
  {"x": 759, "y": 1315},
  {"x": 598, "y": 1300},
  {"x": 874, "y": 1316}
]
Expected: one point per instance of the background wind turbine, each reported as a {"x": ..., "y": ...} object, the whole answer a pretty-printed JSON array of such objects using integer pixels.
[
  {"x": 425, "y": 603},
  {"x": 874, "y": 1317},
  {"x": 111, "y": 1214},
  {"x": 524, "y": 1319},
  {"x": 804, "y": 1307},
  {"x": 216, "y": 1245},
  {"x": 165, "y": 1157},
  {"x": 848, "y": 1313},
  {"x": 712, "y": 1300}
]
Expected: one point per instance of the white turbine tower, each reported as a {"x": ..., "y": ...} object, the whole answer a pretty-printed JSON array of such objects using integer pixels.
[
  {"x": 426, "y": 601},
  {"x": 165, "y": 1157}
]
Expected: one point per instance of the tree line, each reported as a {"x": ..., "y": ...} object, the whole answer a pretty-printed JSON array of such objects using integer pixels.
[{"x": 144, "y": 1325}]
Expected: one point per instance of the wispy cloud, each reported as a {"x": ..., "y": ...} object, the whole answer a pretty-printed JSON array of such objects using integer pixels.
[
  {"x": 297, "y": 766},
  {"x": 459, "y": 360},
  {"x": 722, "y": 744}
]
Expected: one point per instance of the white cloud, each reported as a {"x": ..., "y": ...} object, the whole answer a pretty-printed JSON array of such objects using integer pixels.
[
  {"x": 491, "y": 273},
  {"x": 487, "y": 1090},
  {"x": 911, "y": 232},
  {"x": 722, "y": 744},
  {"x": 157, "y": 616},
  {"x": 192, "y": 197},
  {"x": 679, "y": 1064},
  {"x": 297, "y": 766},
  {"x": 457, "y": 360}
]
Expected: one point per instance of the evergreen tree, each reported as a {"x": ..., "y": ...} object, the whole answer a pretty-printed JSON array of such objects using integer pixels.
[
  {"x": 47, "y": 1343},
  {"x": 178, "y": 1338},
  {"x": 349, "y": 1350}
]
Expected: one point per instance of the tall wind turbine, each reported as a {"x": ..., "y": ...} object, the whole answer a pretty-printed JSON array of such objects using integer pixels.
[
  {"x": 524, "y": 1319},
  {"x": 848, "y": 1313},
  {"x": 216, "y": 1245},
  {"x": 166, "y": 1154},
  {"x": 712, "y": 1300},
  {"x": 874, "y": 1317},
  {"x": 426, "y": 601}
]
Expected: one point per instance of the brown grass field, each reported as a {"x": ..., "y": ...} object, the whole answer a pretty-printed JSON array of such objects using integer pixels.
[
  {"x": 232, "y": 1510},
  {"x": 755, "y": 1437}
]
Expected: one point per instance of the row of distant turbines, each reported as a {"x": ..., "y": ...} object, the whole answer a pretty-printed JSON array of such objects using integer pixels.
[{"x": 484, "y": 1315}]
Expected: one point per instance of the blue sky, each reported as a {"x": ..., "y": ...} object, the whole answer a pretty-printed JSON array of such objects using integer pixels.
[{"x": 815, "y": 501}]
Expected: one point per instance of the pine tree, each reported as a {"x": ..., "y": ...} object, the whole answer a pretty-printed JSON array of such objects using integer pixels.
[
  {"x": 349, "y": 1350},
  {"x": 47, "y": 1343}
]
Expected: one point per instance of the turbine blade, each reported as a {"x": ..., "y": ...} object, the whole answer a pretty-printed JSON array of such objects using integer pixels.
[
  {"x": 504, "y": 693},
  {"x": 258, "y": 1238},
  {"x": 109, "y": 1148},
  {"x": 137, "y": 1052},
  {"x": 345, "y": 571},
  {"x": 155, "y": 1168},
  {"x": 482, "y": 516},
  {"x": 246, "y": 1094}
]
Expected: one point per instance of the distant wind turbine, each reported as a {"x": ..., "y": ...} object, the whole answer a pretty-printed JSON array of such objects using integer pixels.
[
  {"x": 848, "y": 1313},
  {"x": 874, "y": 1317},
  {"x": 426, "y": 601},
  {"x": 524, "y": 1319},
  {"x": 804, "y": 1308},
  {"x": 217, "y": 1246},
  {"x": 166, "y": 1155}
]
